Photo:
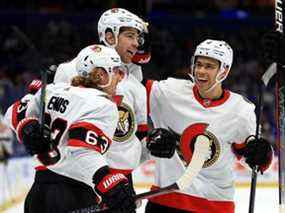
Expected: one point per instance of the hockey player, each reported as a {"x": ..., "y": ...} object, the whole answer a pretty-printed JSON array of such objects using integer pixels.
[
  {"x": 188, "y": 109},
  {"x": 82, "y": 120},
  {"x": 121, "y": 30}
]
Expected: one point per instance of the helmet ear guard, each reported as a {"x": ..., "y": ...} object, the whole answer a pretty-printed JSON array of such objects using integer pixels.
[
  {"x": 222, "y": 74},
  {"x": 192, "y": 66}
]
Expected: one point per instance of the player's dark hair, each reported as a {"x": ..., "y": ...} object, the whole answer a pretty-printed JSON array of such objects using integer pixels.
[{"x": 123, "y": 29}]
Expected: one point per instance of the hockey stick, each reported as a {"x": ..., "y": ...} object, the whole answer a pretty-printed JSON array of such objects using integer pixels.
[
  {"x": 35, "y": 51},
  {"x": 44, "y": 72},
  {"x": 201, "y": 150},
  {"x": 280, "y": 101},
  {"x": 269, "y": 73},
  {"x": 280, "y": 117}
]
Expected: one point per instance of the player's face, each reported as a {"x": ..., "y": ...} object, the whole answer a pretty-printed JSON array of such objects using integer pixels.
[
  {"x": 127, "y": 44},
  {"x": 205, "y": 71}
]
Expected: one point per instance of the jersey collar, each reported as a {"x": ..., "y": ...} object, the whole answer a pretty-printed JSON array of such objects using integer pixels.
[{"x": 208, "y": 102}]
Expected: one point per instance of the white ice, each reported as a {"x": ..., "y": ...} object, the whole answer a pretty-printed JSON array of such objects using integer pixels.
[{"x": 266, "y": 201}]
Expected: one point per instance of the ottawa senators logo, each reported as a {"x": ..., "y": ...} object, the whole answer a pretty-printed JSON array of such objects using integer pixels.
[
  {"x": 126, "y": 124},
  {"x": 186, "y": 142}
]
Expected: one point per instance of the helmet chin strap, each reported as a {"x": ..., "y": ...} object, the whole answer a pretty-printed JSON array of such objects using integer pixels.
[
  {"x": 218, "y": 79},
  {"x": 212, "y": 87},
  {"x": 192, "y": 78}
]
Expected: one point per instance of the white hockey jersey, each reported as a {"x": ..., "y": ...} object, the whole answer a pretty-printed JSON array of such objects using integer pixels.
[
  {"x": 82, "y": 121},
  {"x": 176, "y": 105},
  {"x": 125, "y": 152},
  {"x": 136, "y": 71}
]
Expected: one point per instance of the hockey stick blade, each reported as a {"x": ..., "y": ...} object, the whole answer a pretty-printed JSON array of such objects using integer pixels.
[
  {"x": 201, "y": 150},
  {"x": 269, "y": 73}
]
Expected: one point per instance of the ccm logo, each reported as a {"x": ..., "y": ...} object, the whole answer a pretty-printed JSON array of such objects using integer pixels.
[{"x": 112, "y": 179}]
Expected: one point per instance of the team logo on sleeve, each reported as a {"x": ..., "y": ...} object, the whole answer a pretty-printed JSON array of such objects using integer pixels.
[
  {"x": 126, "y": 124},
  {"x": 186, "y": 142}
]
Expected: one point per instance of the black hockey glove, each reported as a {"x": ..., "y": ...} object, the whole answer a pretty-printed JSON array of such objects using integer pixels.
[
  {"x": 35, "y": 142},
  {"x": 273, "y": 44},
  {"x": 143, "y": 54},
  {"x": 161, "y": 143},
  {"x": 114, "y": 191},
  {"x": 29, "y": 133},
  {"x": 258, "y": 152}
]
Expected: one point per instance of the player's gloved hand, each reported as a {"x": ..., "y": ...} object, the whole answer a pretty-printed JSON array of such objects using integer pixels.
[
  {"x": 37, "y": 142},
  {"x": 143, "y": 54},
  {"x": 161, "y": 143},
  {"x": 114, "y": 191},
  {"x": 29, "y": 133},
  {"x": 273, "y": 44},
  {"x": 34, "y": 86},
  {"x": 258, "y": 152}
]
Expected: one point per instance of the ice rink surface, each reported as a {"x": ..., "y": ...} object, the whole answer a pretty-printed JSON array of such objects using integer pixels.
[{"x": 266, "y": 201}]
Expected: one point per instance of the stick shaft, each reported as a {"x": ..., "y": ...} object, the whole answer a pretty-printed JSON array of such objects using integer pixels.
[
  {"x": 42, "y": 98},
  {"x": 259, "y": 108},
  {"x": 154, "y": 193}
]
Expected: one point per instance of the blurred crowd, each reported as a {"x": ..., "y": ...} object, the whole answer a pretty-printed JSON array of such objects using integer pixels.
[
  {"x": 195, "y": 7},
  {"x": 173, "y": 40}
]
